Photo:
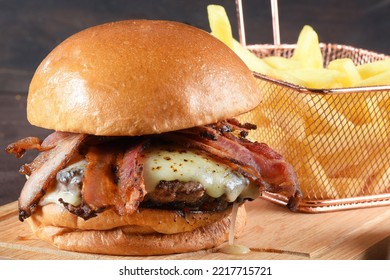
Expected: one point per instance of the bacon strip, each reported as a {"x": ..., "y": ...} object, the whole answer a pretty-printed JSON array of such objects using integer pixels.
[
  {"x": 34, "y": 143},
  {"x": 20, "y": 147},
  {"x": 54, "y": 138},
  {"x": 131, "y": 182},
  {"x": 99, "y": 189},
  {"x": 40, "y": 180},
  {"x": 103, "y": 188}
]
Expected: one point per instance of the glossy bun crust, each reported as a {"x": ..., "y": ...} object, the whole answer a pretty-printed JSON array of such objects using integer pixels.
[
  {"x": 134, "y": 235},
  {"x": 139, "y": 77}
]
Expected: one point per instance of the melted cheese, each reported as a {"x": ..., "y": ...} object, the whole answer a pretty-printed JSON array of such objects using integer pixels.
[
  {"x": 71, "y": 192},
  {"x": 70, "y": 196},
  {"x": 187, "y": 165}
]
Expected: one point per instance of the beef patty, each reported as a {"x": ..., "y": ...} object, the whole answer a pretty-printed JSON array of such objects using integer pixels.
[{"x": 179, "y": 195}]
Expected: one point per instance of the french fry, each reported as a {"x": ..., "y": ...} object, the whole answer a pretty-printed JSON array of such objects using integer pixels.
[
  {"x": 307, "y": 50},
  {"x": 315, "y": 182},
  {"x": 346, "y": 66},
  {"x": 293, "y": 124},
  {"x": 282, "y": 63},
  {"x": 368, "y": 70},
  {"x": 306, "y": 66},
  {"x": 286, "y": 76},
  {"x": 380, "y": 79},
  {"x": 380, "y": 183},
  {"x": 251, "y": 60},
  {"x": 354, "y": 107},
  {"x": 384, "y": 106},
  {"x": 257, "y": 117},
  {"x": 272, "y": 135},
  {"x": 318, "y": 78},
  {"x": 220, "y": 24},
  {"x": 347, "y": 186},
  {"x": 379, "y": 107},
  {"x": 221, "y": 29},
  {"x": 377, "y": 160},
  {"x": 354, "y": 138},
  {"x": 319, "y": 116},
  {"x": 333, "y": 164},
  {"x": 310, "y": 174},
  {"x": 282, "y": 113}
]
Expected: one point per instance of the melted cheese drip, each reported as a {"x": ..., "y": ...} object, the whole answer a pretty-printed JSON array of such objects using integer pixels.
[
  {"x": 187, "y": 165},
  {"x": 232, "y": 248}
]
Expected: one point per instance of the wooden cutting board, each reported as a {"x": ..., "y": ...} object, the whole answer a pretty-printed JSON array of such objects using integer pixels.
[{"x": 272, "y": 232}]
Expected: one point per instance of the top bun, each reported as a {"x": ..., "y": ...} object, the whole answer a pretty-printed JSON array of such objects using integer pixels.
[{"x": 139, "y": 77}]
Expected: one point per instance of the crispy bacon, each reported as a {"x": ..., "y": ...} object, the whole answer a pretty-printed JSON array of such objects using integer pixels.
[
  {"x": 99, "y": 186},
  {"x": 257, "y": 160},
  {"x": 43, "y": 177},
  {"x": 131, "y": 182},
  {"x": 20, "y": 147},
  {"x": 34, "y": 143},
  {"x": 113, "y": 178}
]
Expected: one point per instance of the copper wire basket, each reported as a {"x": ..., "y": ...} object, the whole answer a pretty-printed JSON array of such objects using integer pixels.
[{"x": 338, "y": 140}]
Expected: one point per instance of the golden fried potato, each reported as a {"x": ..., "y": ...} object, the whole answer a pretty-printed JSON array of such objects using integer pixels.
[
  {"x": 307, "y": 50},
  {"x": 314, "y": 181},
  {"x": 221, "y": 29},
  {"x": 316, "y": 78},
  {"x": 374, "y": 163},
  {"x": 348, "y": 71},
  {"x": 220, "y": 24},
  {"x": 368, "y": 70},
  {"x": 380, "y": 79},
  {"x": 380, "y": 181},
  {"x": 353, "y": 106},
  {"x": 282, "y": 63},
  {"x": 347, "y": 186},
  {"x": 354, "y": 138},
  {"x": 251, "y": 60}
]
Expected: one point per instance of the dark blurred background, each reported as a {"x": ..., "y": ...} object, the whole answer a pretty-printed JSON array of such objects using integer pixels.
[{"x": 29, "y": 29}]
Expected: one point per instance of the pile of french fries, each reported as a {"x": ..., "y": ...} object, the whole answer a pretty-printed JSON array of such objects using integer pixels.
[{"x": 339, "y": 144}]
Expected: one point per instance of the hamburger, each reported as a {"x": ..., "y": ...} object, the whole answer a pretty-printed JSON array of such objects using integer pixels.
[{"x": 145, "y": 157}]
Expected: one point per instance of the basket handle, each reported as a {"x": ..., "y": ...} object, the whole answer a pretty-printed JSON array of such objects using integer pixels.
[{"x": 275, "y": 22}]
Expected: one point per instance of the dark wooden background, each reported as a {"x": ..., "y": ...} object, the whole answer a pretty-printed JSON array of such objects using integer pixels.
[{"x": 29, "y": 29}]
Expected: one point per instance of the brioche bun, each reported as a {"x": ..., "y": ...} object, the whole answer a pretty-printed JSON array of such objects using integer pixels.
[
  {"x": 142, "y": 233},
  {"x": 139, "y": 77}
]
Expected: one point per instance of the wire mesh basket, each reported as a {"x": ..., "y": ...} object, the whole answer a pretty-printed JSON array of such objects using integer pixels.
[{"x": 338, "y": 140}]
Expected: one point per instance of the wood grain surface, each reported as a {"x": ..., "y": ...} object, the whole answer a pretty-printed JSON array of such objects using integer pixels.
[{"x": 272, "y": 232}]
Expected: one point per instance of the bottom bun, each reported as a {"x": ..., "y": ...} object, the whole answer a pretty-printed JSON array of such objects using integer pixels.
[{"x": 135, "y": 240}]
